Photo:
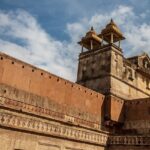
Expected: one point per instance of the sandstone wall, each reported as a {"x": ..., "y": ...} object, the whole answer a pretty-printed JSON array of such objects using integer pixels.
[
  {"x": 107, "y": 71},
  {"x": 114, "y": 109},
  {"x": 13, "y": 140},
  {"x": 28, "y": 78},
  {"x": 126, "y": 90},
  {"x": 138, "y": 116},
  {"x": 41, "y": 111},
  {"x": 27, "y": 131},
  {"x": 94, "y": 66},
  {"x": 126, "y": 82}
]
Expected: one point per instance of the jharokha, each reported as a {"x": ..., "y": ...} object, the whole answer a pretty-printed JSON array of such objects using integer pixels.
[{"x": 108, "y": 108}]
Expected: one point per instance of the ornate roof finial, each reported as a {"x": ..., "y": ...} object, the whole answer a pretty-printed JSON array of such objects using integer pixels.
[
  {"x": 110, "y": 28},
  {"x": 91, "y": 36},
  {"x": 92, "y": 29},
  {"x": 111, "y": 20}
]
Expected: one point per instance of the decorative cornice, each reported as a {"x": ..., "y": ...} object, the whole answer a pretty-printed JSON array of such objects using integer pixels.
[
  {"x": 109, "y": 47},
  {"x": 47, "y": 113},
  {"x": 35, "y": 125},
  {"x": 41, "y": 126}
]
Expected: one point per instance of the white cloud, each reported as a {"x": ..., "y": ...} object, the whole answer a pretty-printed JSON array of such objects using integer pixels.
[
  {"x": 38, "y": 47},
  {"x": 138, "y": 38},
  {"x": 60, "y": 57},
  {"x": 137, "y": 34}
]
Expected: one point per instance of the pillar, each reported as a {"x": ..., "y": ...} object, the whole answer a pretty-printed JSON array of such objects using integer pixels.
[
  {"x": 82, "y": 49},
  {"x": 91, "y": 44},
  {"x": 112, "y": 36},
  {"x": 102, "y": 41},
  {"x": 119, "y": 44}
]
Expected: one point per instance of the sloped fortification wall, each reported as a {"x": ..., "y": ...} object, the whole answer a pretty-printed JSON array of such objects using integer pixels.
[
  {"x": 30, "y": 79},
  {"x": 41, "y": 111}
]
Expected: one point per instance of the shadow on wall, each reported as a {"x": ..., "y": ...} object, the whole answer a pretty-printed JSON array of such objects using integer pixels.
[
  {"x": 113, "y": 114},
  {"x": 137, "y": 116}
]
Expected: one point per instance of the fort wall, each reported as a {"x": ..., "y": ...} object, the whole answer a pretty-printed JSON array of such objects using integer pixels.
[
  {"x": 114, "y": 109},
  {"x": 138, "y": 116},
  {"x": 17, "y": 140},
  {"x": 30, "y": 79},
  {"x": 126, "y": 81},
  {"x": 105, "y": 70}
]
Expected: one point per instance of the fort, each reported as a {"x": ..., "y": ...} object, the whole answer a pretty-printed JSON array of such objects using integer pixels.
[{"x": 108, "y": 108}]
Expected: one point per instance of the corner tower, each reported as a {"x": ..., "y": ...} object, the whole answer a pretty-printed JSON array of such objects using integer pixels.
[{"x": 102, "y": 60}]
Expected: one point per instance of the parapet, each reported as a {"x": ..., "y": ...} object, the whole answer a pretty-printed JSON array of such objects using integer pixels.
[{"x": 17, "y": 76}]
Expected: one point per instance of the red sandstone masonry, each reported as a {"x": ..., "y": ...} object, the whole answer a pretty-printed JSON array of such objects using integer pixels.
[
  {"x": 138, "y": 110},
  {"x": 114, "y": 109},
  {"x": 31, "y": 79}
]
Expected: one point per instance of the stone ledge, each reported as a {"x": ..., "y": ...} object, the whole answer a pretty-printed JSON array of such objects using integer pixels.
[
  {"x": 47, "y": 113},
  {"x": 36, "y": 125}
]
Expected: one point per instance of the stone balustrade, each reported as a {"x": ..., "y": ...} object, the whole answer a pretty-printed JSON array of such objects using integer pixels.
[{"x": 129, "y": 140}]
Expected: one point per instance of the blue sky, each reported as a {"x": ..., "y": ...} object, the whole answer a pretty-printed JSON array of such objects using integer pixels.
[{"x": 45, "y": 32}]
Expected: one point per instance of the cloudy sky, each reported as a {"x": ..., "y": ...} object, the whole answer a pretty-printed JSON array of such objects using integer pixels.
[{"x": 45, "y": 32}]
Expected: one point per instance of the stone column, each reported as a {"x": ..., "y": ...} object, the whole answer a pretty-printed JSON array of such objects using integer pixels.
[
  {"x": 102, "y": 41},
  {"x": 91, "y": 44},
  {"x": 112, "y": 36},
  {"x": 82, "y": 49},
  {"x": 119, "y": 44}
]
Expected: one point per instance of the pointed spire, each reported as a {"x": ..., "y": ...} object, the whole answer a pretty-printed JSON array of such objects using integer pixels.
[
  {"x": 111, "y": 20},
  {"x": 111, "y": 23},
  {"x": 112, "y": 28},
  {"x": 92, "y": 29},
  {"x": 91, "y": 40}
]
